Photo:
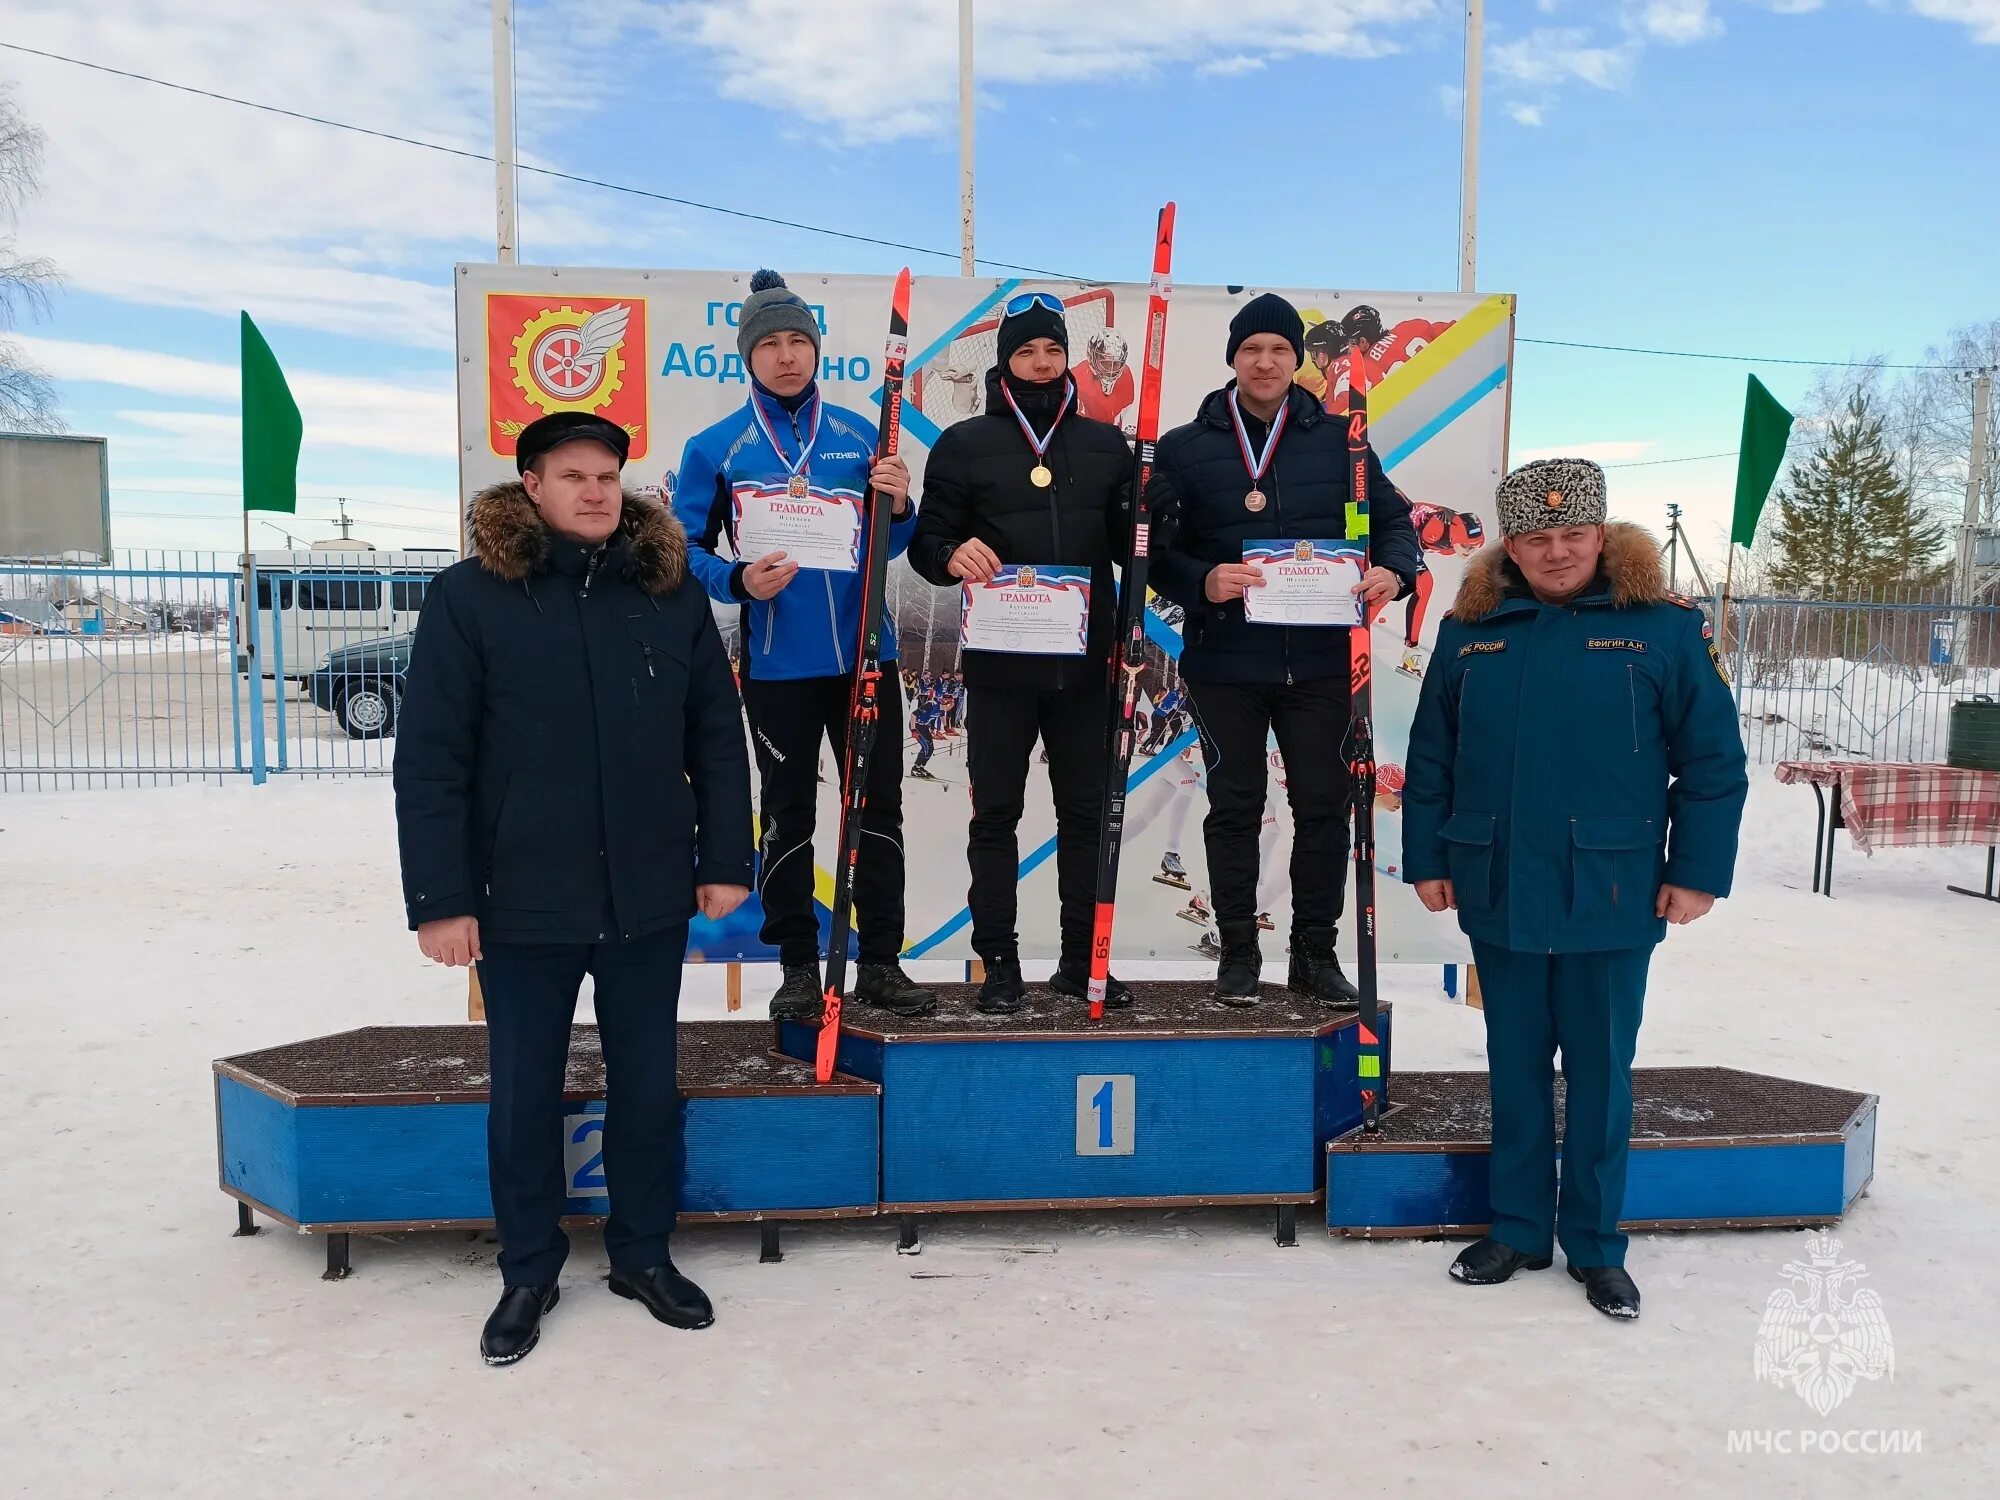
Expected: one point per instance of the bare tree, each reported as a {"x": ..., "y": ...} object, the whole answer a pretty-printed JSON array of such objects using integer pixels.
[
  {"x": 1940, "y": 401},
  {"x": 27, "y": 398}
]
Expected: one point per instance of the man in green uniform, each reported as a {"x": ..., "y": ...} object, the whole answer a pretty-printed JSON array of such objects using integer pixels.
[{"x": 1575, "y": 785}]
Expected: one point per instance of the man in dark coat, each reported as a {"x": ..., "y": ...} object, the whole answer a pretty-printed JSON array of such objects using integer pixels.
[
  {"x": 571, "y": 786},
  {"x": 1260, "y": 462},
  {"x": 1575, "y": 784},
  {"x": 1032, "y": 481}
]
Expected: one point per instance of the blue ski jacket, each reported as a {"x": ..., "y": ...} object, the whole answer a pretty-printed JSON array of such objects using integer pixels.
[{"x": 812, "y": 627}]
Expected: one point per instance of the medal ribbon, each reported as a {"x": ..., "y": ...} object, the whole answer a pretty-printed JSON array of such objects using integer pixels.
[
  {"x": 764, "y": 424},
  {"x": 1257, "y": 464},
  {"x": 1041, "y": 444}
]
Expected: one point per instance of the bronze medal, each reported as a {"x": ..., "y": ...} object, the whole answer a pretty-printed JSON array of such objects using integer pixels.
[
  {"x": 1041, "y": 477},
  {"x": 1254, "y": 501}
]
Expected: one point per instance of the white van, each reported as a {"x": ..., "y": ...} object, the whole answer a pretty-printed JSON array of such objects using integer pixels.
[{"x": 311, "y": 603}]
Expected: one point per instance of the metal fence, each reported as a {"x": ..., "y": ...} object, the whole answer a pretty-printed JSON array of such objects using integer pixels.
[
  {"x": 151, "y": 670},
  {"x": 1870, "y": 679},
  {"x": 141, "y": 672}
]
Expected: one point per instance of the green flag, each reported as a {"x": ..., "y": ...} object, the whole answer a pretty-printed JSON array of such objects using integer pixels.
[
  {"x": 1767, "y": 427},
  {"x": 271, "y": 429}
]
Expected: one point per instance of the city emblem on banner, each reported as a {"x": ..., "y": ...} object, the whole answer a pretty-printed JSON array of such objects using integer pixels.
[{"x": 547, "y": 355}]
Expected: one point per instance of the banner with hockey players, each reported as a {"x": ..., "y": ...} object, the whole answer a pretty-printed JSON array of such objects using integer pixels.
[{"x": 656, "y": 352}]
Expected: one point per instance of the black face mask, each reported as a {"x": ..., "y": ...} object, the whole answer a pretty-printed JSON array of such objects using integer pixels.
[{"x": 1039, "y": 400}]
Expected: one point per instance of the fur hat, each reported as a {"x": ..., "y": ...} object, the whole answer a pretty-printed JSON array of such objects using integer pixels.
[{"x": 1550, "y": 492}]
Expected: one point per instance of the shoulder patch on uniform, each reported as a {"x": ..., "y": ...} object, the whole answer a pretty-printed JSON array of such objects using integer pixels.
[
  {"x": 1707, "y": 630},
  {"x": 1715, "y": 657},
  {"x": 1477, "y": 648},
  {"x": 1614, "y": 643},
  {"x": 1683, "y": 601}
]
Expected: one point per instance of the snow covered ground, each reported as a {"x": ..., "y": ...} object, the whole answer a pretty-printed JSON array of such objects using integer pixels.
[{"x": 148, "y": 931}]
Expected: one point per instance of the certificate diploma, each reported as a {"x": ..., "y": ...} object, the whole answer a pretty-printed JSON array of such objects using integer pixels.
[
  {"x": 1031, "y": 608},
  {"x": 1306, "y": 582},
  {"x": 819, "y": 529}
]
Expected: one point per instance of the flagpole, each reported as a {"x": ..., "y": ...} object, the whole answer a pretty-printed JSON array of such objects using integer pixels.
[{"x": 1722, "y": 607}]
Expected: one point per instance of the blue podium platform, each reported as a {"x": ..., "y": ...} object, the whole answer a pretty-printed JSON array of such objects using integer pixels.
[
  {"x": 1712, "y": 1148},
  {"x": 384, "y": 1129},
  {"x": 1175, "y": 1101}
]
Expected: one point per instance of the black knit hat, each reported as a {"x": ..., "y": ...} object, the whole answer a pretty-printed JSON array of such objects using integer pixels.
[
  {"x": 1037, "y": 322},
  {"x": 1269, "y": 313}
]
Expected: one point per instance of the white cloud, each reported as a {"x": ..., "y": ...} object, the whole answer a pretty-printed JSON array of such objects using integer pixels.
[
  {"x": 1981, "y": 17},
  {"x": 1451, "y": 99},
  {"x": 1678, "y": 21},
  {"x": 1526, "y": 114},
  {"x": 761, "y": 51},
  {"x": 1231, "y": 67},
  {"x": 340, "y": 411},
  {"x": 159, "y": 197},
  {"x": 1792, "y": 7},
  {"x": 1557, "y": 55}
]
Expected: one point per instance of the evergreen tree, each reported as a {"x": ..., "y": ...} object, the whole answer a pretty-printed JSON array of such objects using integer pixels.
[{"x": 1848, "y": 525}]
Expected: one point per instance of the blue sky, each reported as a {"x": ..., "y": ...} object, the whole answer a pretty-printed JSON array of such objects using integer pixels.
[{"x": 1773, "y": 177}]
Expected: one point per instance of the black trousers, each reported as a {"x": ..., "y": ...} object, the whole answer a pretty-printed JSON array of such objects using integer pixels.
[
  {"x": 1002, "y": 725},
  {"x": 1310, "y": 720},
  {"x": 787, "y": 722},
  {"x": 530, "y": 992}
]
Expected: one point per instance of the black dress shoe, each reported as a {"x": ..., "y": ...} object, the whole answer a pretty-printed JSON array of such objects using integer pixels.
[
  {"x": 1488, "y": 1263},
  {"x": 667, "y": 1295},
  {"x": 1609, "y": 1289},
  {"x": 515, "y": 1324}
]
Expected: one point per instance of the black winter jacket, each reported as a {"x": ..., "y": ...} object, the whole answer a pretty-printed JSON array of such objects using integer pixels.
[
  {"x": 570, "y": 762},
  {"x": 1199, "y": 520},
  {"x": 976, "y": 485}
]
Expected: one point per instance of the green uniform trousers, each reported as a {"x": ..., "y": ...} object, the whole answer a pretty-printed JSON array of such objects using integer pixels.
[{"x": 1587, "y": 1005}]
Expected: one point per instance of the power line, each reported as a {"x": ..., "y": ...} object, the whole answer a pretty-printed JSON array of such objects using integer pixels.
[
  {"x": 550, "y": 172},
  {"x": 862, "y": 239},
  {"x": 1741, "y": 359}
]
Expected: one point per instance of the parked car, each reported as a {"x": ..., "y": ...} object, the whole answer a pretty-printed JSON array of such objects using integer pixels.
[{"x": 362, "y": 685}]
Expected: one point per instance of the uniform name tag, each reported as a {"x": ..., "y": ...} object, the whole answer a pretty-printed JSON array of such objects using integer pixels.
[
  {"x": 1480, "y": 648},
  {"x": 1606, "y": 643}
]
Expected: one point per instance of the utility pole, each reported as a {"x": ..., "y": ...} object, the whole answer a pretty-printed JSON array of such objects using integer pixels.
[
  {"x": 1468, "y": 161},
  {"x": 345, "y": 524},
  {"x": 1975, "y": 486},
  {"x": 505, "y": 178},
  {"x": 1673, "y": 547},
  {"x": 967, "y": 266}
]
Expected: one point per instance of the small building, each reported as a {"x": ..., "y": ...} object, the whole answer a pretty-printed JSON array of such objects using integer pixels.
[{"x": 31, "y": 617}]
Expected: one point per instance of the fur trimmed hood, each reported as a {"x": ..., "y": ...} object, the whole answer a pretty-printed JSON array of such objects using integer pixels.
[
  {"x": 511, "y": 543},
  {"x": 1631, "y": 564}
]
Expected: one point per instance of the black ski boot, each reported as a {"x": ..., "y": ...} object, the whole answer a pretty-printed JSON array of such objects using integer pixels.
[
  {"x": 1241, "y": 969},
  {"x": 1316, "y": 970},
  {"x": 798, "y": 998},
  {"x": 887, "y": 987},
  {"x": 1002, "y": 992},
  {"x": 1073, "y": 981}
]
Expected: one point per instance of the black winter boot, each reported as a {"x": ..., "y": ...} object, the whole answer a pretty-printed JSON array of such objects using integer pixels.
[
  {"x": 798, "y": 997},
  {"x": 1241, "y": 970},
  {"x": 1002, "y": 991},
  {"x": 887, "y": 987},
  {"x": 1316, "y": 970},
  {"x": 1072, "y": 981}
]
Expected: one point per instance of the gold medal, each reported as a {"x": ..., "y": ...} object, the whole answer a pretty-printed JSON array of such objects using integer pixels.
[
  {"x": 797, "y": 488},
  {"x": 1254, "y": 501},
  {"x": 1041, "y": 476}
]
